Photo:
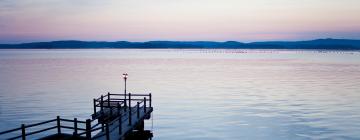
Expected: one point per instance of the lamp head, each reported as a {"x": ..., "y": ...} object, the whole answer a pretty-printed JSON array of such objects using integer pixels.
[{"x": 125, "y": 76}]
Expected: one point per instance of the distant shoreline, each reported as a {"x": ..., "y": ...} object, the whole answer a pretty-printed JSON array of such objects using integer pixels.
[{"x": 319, "y": 44}]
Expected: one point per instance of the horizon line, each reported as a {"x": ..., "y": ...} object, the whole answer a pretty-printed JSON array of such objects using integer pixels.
[{"x": 245, "y": 42}]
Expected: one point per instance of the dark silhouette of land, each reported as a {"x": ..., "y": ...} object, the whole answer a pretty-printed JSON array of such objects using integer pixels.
[{"x": 326, "y": 44}]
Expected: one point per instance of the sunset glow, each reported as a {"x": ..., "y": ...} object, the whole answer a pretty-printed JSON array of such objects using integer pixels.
[{"x": 144, "y": 20}]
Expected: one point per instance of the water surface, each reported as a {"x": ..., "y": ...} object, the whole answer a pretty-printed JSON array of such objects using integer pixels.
[{"x": 198, "y": 94}]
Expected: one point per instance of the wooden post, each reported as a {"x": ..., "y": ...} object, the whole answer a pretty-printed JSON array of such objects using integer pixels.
[
  {"x": 88, "y": 129},
  {"x": 94, "y": 106},
  {"x": 102, "y": 126},
  {"x": 101, "y": 103},
  {"x": 144, "y": 105},
  {"x": 102, "y": 111},
  {"x": 23, "y": 134},
  {"x": 75, "y": 127},
  {"x": 138, "y": 110},
  {"x": 125, "y": 103},
  {"x": 129, "y": 100},
  {"x": 107, "y": 132},
  {"x": 150, "y": 100},
  {"x": 111, "y": 112},
  {"x": 120, "y": 120},
  {"x": 109, "y": 104},
  {"x": 58, "y": 124},
  {"x": 129, "y": 108},
  {"x": 108, "y": 94},
  {"x": 129, "y": 116},
  {"x": 140, "y": 126},
  {"x": 118, "y": 109}
]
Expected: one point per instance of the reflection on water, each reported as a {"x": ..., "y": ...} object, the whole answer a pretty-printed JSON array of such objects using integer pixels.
[{"x": 198, "y": 94}]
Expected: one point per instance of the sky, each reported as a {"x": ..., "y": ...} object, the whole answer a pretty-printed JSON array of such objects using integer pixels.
[{"x": 179, "y": 20}]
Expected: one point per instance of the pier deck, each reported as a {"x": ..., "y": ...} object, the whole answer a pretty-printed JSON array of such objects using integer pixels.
[
  {"x": 117, "y": 132},
  {"x": 115, "y": 117}
]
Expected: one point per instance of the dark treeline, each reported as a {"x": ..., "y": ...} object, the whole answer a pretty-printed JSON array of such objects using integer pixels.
[{"x": 333, "y": 44}]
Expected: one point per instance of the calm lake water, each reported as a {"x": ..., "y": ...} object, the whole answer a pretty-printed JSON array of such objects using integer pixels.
[{"x": 198, "y": 94}]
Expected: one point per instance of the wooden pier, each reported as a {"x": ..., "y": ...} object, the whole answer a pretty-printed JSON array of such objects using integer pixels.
[{"x": 115, "y": 116}]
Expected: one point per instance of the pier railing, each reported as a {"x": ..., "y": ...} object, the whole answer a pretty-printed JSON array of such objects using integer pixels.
[
  {"x": 25, "y": 130},
  {"x": 110, "y": 108},
  {"x": 110, "y": 100}
]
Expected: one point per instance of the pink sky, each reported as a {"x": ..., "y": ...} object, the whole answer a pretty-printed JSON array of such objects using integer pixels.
[{"x": 144, "y": 20}]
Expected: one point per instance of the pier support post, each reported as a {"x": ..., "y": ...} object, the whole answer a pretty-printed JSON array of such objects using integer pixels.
[
  {"x": 75, "y": 127},
  {"x": 140, "y": 126},
  {"x": 107, "y": 132},
  {"x": 58, "y": 124},
  {"x": 23, "y": 134},
  {"x": 88, "y": 129}
]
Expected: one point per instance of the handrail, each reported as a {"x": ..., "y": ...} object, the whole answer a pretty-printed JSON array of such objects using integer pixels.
[
  {"x": 112, "y": 94},
  {"x": 132, "y": 94},
  {"x": 105, "y": 101},
  {"x": 9, "y": 131},
  {"x": 36, "y": 124},
  {"x": 118, "y": 99},
  {"x": 24, "y": 133},
  {"x": 68, "y": 120},
  {"x": 27, "y": 126}
]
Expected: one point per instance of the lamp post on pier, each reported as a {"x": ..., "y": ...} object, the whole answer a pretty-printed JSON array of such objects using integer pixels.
[{"x": 125, "y": 76}]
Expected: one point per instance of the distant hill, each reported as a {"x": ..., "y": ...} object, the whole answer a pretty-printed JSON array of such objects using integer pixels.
[{"x": 331, "y": 44}]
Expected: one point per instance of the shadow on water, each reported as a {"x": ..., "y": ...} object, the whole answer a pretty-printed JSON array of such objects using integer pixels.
[{"x": 140, "y": 135}]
